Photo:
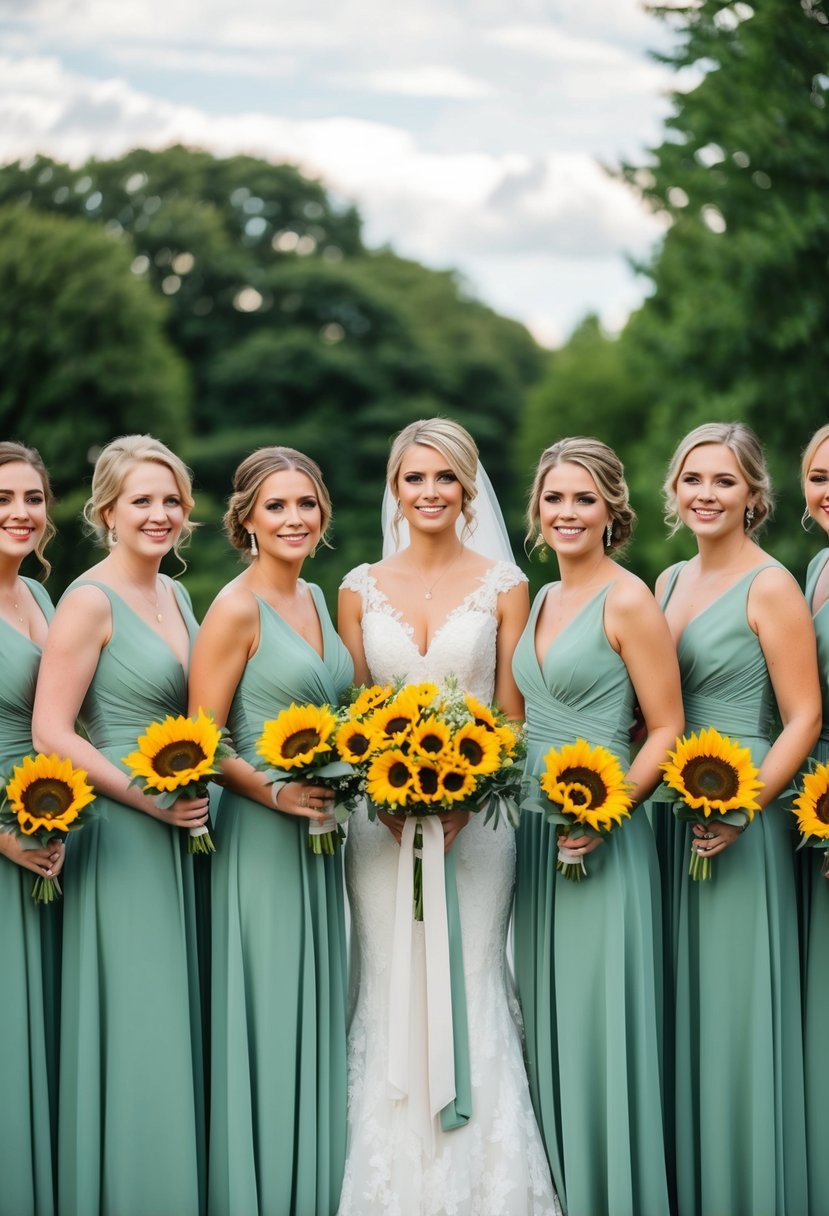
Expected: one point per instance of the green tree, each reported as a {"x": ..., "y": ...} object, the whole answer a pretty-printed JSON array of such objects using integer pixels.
[{"x": 83, "y": 353}]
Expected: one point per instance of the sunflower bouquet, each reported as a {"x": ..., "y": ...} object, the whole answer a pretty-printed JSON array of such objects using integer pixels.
[
  {"x": 421, "y": 750},
  {"x": 811, "y": 807},
  {"x": 175, "y": 759},
  {"x": 44, "y": 797},
  {"x": 299, "y": 744},
  {"x": 585, "y": 793},
  {"x": 709, "y": 774}
]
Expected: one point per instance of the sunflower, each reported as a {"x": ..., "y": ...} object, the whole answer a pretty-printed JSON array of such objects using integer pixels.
[
  {"x": 431, "y": 737},
  {"x": 353, "y": 741},
  {"x": 713, "y": 774},
  {"x": 508, "y": 737},
  {"x": 369, "y": 699},
  {"x": 390, "y": 778},
  {"x": 297, "y": 735},
  {"x": 811, "y": 806},
  {"x": 457, "y": 783},
  {"x": 47, "y": 793},
  {"x": 482, "y": 715},
  {"x": 478, "y": 748},
  {"x": 393, "y": 721},
  {"x": 587, "y": 783},
  {"x": 175, "y": 752},
  {"x": 422, "y": 694}
]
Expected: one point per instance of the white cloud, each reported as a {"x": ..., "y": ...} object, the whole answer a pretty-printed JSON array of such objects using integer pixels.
[{"x": 425, "y": 81}]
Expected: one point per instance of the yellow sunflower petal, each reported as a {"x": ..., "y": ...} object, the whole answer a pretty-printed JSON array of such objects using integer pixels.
[
  {"x": 431, "y": 737},
  {"x": 811, "y": 806},
  {"x": 478, "y": 748},
  {"x": 353, "y": 742},
  {"x": 588, "y": 783},
  {"x": 390, "y": 778},
  {"x": 482, "y": 715},
  {"x": 175, "y": 752},
  {"x": 369, "y": 699}
]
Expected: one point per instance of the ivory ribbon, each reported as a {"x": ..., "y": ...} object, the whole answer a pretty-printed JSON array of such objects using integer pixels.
[
  {"x": 568, "y": 858},
  {"x": 440, "y": 1080},
  {"x": 318, "y": 827}
]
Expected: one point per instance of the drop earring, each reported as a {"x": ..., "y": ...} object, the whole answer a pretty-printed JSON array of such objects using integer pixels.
[
  {"x": 806, "y": 521},
  {"x": 254, "y": 548},
  {"x": 112, "y": 537},
  {"x": 608, "y": 532},
  {"x": 749, "y": 518}
]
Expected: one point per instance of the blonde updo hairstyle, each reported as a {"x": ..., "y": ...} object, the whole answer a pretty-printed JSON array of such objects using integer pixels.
[
  {"x": 820, "y": 436},
  {"x": 248, "y": 480},
  {"x": 608, "y": 472},
  {"x": 455, "y": 445},
  {"x": 12, "y": 452},
  {"x": 748, "y": 452},
  {"x": 115, "y": 461}
]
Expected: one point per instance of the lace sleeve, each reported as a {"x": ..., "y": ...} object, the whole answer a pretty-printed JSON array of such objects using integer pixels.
[
  {"x": 359, "y": 580},
  {"x": 505, "y": 576}
]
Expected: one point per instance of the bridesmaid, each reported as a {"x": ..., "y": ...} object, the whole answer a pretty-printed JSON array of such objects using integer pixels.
[
  {"x": 131, "y": 1108},
  {"x": 588, "y": 955},
  {"x": 746, "y": 646},
  {"x": 27, "y": 1047},
  {"x": 278, "y": 1079},
  {"x": 815, "y": 474}
]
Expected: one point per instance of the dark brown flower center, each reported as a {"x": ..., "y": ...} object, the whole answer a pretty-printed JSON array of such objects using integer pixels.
[
  {"x": 427, "y": 779},
  {"x": 300, "y": 741},
  {"x": 822, "y": 807},
  {"x": 395, "y": 725},
  {"x": 357, "y": 743},
  {"x": 173, "y": 758},
  {"x": 578, "y": 796},
  {"x": 711, "y": 777},
  {"x": 453, "y": 781},
  {"x": 399, "y": 775},
  {"x": 47, "y": 798},
  {"x": 592, "y": 783},
  {"x": 471, "y": 750},
  {"x": 431, "y": 743}
]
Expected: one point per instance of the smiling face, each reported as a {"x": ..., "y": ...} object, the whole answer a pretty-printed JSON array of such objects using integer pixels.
[
  {"x": 817, "y": 486},
  {"x": 572, "y": 514},
  {"x": 22, "y": 509},
  {"x": 428, "y": 489},
  {"x": 148, "y": 514},
  {"x": 286, "y": 516},
  {"x": 712, "y": 493}
]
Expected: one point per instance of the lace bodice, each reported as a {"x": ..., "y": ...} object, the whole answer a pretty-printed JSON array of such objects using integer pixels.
[{"x": 463, "y": 646}]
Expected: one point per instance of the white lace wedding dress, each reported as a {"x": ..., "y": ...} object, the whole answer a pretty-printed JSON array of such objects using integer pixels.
[{"x": 495, "y": 1165}]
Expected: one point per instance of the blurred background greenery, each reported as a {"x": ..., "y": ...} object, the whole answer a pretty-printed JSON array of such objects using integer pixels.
[{"x": 223, "y": 304}]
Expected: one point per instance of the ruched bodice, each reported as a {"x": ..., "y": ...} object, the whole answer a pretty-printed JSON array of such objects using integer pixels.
[
  {"x": 568, "y": 697},
  {"x": 138, "y": 679},
  {"x": 301, "y": 676},
  {"x": 19, "y": 664}
]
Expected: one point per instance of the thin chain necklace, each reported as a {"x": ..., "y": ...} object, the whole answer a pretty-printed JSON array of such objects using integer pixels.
[
  {"x": 430, "y": 587},
  {"x": 152, "y": 602},
  {"x": 13, "y": 598}
]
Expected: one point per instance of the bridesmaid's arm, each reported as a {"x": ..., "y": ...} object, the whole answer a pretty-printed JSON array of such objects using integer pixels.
[
  {"x": 513, "y": 614},
  {"x": 81, "y": 628},
  {"x": 46, "y": 862},
  {"x": 637, "y": 629},
  {"x": 228, "y": 638},
  {"x": 779, "y": 615},
  {"x": 350, "y": 628}
]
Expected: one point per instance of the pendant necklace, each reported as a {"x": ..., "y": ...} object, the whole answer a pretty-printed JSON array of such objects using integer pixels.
[
  {"x": 152, "y": 602},
  {"x": 14, "y": 601},
  {"x": 430, "y": 587}
]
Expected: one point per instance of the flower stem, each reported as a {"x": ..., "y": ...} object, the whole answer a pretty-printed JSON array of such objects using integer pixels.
[{"x": 202, "y": 843}]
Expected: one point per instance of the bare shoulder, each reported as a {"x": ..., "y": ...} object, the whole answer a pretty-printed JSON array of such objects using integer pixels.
[
  {"x": 86, "y": 602},
  {"x": 774, "y": 587},
  {"x": 235, "y": 607},
  {"x": 629, "y": 596}
]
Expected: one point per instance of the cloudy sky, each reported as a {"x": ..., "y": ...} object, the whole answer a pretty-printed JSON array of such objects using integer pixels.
[{"x": 469, "y": 132}]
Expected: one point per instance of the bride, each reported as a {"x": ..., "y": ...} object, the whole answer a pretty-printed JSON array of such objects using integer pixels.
[{"x": 437, "y": 607}]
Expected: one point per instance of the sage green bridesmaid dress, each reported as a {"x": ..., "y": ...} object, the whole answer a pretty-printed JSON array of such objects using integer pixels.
[
  {"x": 816, "y": 949},
  {"x": 28, "y": 1027},
  {"x": 740, "y": 1130},
  {"x": 131, "y": 1134},
  {"x": 278, "y": 1069},
  {"x": 588, "y": 954}
]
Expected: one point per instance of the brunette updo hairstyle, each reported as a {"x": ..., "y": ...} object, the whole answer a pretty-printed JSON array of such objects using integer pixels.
[
  {"x": 12, "y": 452},
  {"x": 748, "y": 452},
  {"x": 455, "y": 445},
  {"x": 247, "y": 482},
  {"x": 115, "y": 461},
  {"x": 608, "y": 472}
]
